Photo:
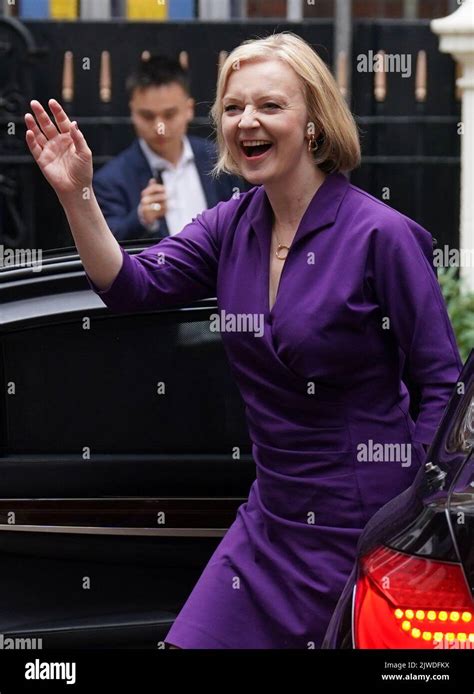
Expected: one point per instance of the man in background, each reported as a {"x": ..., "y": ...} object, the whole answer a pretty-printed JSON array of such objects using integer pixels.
[{"x": 162, "y": 180}]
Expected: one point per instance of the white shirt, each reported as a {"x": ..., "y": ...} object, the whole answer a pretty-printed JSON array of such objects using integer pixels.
[{"x": 184, "y": 193}]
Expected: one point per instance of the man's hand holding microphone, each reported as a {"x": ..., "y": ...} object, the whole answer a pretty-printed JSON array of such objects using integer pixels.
[{"x": 153, "y": 203}]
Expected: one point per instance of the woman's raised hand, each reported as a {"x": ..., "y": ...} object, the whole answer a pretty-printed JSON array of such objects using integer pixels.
[
  {"x": 61, "y": 152},
  {"x": 59, "y": 149}
]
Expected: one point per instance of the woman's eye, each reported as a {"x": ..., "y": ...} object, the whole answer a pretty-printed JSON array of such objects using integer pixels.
[{"x": 269, "y": 105}]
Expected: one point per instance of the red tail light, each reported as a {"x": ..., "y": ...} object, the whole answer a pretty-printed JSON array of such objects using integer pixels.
[{"x": 410, "y": 602}]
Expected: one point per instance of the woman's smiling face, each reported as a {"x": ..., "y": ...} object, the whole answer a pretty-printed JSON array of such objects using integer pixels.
[{"x": 264, "y": 103}]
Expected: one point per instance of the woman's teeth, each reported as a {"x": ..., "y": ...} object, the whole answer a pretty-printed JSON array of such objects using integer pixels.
[{"x": 253, "y": 148}]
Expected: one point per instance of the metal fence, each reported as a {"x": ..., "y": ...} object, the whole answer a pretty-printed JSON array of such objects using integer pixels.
[{"x": 409, "y": 122}]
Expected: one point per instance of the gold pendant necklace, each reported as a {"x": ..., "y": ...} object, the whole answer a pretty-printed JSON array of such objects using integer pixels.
[{"x": 281, "y": 246}]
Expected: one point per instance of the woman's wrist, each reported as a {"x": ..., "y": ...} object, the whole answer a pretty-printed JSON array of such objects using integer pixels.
[
  {"x": 76, "y": 197},
  {"x": 86, "y": 219}
]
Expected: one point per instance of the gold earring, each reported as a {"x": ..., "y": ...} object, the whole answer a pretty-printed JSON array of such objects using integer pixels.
[{"x": 312, "y": 144}]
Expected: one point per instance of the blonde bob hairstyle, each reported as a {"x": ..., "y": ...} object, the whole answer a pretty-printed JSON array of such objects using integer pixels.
[{"x": 333, "y": 124}]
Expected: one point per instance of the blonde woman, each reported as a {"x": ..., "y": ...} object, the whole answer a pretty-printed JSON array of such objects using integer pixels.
[{"x": 348, "y": 298}]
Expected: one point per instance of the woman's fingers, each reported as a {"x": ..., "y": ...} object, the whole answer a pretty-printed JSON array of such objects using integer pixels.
[
  {"x": 60, "y": 116},
  {"x": 32, "y": 125},
  {"x": 79, "y": 140},
  {"x": 33, "y": 145},
  {"x": 44, "y": 121}
]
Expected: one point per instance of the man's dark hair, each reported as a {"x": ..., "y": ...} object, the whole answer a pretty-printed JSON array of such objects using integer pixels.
[{"x": 156, "y": 71}]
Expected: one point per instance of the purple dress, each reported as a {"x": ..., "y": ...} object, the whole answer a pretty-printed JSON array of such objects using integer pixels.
[{"x": 358, "y": 299}]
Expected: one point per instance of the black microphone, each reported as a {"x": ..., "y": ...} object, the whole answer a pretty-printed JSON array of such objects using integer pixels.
[{"x": 157, "y": 175}]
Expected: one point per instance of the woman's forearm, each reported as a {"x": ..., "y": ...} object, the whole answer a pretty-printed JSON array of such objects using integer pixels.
[
  {"x": 99, "y": 250},
  {"x": 64, "y": 157}
]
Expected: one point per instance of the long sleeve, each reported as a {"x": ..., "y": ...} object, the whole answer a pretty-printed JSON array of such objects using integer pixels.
[
  {"x": 407, "y": 290},
  {"x": 176, "y": 270}
]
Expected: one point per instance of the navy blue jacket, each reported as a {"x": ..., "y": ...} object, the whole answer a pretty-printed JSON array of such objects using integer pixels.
[{"x": 119, "y": 183}]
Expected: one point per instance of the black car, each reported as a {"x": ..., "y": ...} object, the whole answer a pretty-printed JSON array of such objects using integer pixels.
[
  {"x": 413, "y": 582},
  {"x": 113, "y": 498}
]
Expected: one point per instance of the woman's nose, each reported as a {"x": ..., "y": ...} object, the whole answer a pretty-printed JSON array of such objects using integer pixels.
[{"x": 248, "y": 117}]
